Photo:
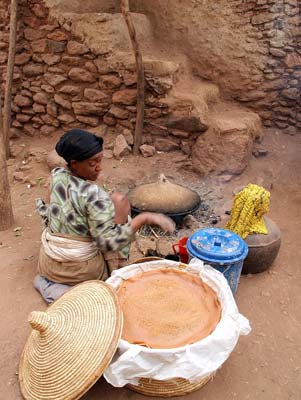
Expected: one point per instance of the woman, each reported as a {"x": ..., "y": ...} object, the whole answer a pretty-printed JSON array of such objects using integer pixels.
[{"x": 87, "y": 233}]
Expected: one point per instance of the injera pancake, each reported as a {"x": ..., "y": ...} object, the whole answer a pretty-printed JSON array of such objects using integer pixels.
[{"x": 167, "y": 308}]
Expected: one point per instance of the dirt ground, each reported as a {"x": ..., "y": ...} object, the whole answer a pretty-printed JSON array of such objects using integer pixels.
[{"x": 264, "y": 365}]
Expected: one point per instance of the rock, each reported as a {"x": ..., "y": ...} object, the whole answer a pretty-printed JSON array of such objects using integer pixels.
[
  {"x": 186, "y": 147},
  {"x": 129, "y": 78},
  {"x": 66, "y": 118},
  {"x": 125, "y": 96},
  {"x": 259, "y": 151},
  {"x": 33, "y": 70},
  {"x": 291, "y": 130},
  {"x": 70, "y": 89},
  {"x": 291, "y": 93},
  {"x": 84, "y": 108},
  {"x": 108, "y": 154},
  {"x": 49, "y": 120},
  {"x": 128, "y": 136},
  {"x": 53, "y": 160},
  {"x": 16, "y": 124},
  {"x": 33, "y": 34},
  {"x": 118, "y": 112},
  {"x": 51, "y": 59},
  {"x": 147, "y": 150},
  {"x": 60, "y": 36},
  {"x": 41, "y": 98},
  {"x": 163, "y": 144},
  {"x": 54, "y": 79},
  {"x": 22, "y": 58},
  {"x": 76, "y": 48},
  {"x": 62, "y": 102},
  {"x": 277, "y": 52},
  {"x": 39, "y": 10},
  {"x": 38, "y": 108},
  {"x": 71, "y": 60},
  {"x": 281, "y": 125},
  {"x": 110, "y": 121},
  {"x": 93, "y": 121},
  {"x": 109, "y": 81},
  {"x": 52, "y": 109},
  {"x": 22, "y": 101},
  {"x": 121, "y": 148},
  {"x": 56, "y": 46},
  {"x": 231, "y": 130},
  {"x": 37, "y": 121},
  {"x": 23, "y": 117},
  {"x": 47, "y": 88},
  {"x": 186, "y": 123},
  {"x": 95, "y": 95},
  {"x": 39, "y": 46},
  {"x": 81, "y": 75},
  {"x": 153, "y": 113}
]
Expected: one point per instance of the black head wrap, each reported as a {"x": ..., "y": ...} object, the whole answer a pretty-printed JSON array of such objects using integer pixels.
[{"x": 78, "y": 145}]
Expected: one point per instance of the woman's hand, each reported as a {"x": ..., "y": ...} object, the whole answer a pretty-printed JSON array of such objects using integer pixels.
[{"x": 149, "y": 218}]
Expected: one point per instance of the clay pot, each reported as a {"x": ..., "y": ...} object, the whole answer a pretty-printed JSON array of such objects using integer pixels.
[{"x": 263, "y": 249}]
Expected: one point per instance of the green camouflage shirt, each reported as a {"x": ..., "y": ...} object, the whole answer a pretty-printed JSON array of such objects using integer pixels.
[{"x": 82, "y": 208}]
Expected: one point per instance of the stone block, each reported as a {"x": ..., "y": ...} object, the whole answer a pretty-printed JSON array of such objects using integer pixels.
[
  {"x": 81, "y": 75},
  {"x": 76, "y": 48},
  {"x": 125, "y": 96}
]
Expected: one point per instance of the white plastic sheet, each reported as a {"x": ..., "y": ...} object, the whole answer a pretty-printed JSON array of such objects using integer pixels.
[{"x": 192, "y": 362}]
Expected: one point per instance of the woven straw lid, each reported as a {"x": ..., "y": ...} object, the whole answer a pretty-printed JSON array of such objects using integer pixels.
[
  {"x": 71, "y": 343},
  {"x": 163, "y": 196}
]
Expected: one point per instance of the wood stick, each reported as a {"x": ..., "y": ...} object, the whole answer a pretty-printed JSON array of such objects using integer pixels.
[
  {"x": 140, "y": 75},
  {"x": 6, "y": 212},
  {"x": 10, "y": 74}
]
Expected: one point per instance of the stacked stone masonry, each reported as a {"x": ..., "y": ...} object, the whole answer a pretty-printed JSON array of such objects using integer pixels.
[
  {"x": 59, "y": 83},
  {"x": 276, "y": 94}
]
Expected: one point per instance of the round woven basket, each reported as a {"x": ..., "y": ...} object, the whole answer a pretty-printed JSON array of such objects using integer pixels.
[
  {"x": 170, "y": 388},
  {"x": 146, "y": 259}
]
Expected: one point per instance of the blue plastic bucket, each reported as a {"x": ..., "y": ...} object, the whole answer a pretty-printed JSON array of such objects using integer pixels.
[{"x": 222, "y": 249}]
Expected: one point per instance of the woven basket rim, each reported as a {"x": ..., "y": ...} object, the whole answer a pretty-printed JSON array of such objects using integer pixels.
[{"x": 114, "y": 331}]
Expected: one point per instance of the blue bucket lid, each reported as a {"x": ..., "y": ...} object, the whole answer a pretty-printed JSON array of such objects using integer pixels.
[{"x": 217, "y": 246}]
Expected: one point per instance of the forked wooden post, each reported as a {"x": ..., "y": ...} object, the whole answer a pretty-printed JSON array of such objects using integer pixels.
[
  {"x": 6, "y": 212},
  {"x": 140, "y": 76},
  {"x": 10, "y": 74}
]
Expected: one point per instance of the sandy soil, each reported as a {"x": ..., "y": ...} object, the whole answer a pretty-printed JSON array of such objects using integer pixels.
[{"x": 265, "y": 364}]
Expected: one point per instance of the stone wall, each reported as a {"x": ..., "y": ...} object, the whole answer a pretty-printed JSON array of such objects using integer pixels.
[
  {"x": 60, "y": 83},
  {"x": 250, "y": 48},
  {"x": 278, "y": 93}
]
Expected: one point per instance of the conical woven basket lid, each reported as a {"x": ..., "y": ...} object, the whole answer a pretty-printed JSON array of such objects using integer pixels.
[
  {"x": 163, "y": 196},
  {"x": 71, "y": 343}
]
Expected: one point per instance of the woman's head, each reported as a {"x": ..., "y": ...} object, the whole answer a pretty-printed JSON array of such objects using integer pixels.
[{"x": 82, "y": 151}]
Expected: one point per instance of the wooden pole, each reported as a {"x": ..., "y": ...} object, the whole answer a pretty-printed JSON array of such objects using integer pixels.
[
  {"x": 140, "y": 75},
  {"x": 10, "y": 74},
  {"x": 6, "y": 212}
]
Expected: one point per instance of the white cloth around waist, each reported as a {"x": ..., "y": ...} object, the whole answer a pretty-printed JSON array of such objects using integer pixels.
[{"x": 63, "y": 249}]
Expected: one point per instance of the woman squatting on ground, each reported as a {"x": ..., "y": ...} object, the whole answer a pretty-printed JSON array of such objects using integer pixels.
[{"x": 87, "y": 233}]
